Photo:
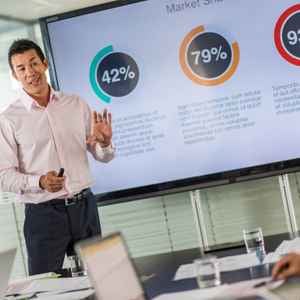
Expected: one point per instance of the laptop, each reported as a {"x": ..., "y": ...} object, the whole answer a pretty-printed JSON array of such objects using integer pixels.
[
  {"x": 6, "y": 263},
  {"x": 110, "y": 268}
]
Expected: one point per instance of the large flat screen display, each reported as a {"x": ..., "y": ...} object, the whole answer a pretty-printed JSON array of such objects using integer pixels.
[{"x": 201, "y": 91}]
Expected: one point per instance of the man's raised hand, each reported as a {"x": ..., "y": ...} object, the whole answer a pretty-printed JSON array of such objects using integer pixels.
[{"x": 101, "y": 130}]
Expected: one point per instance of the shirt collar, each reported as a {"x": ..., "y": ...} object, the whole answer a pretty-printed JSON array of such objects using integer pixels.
[{"x": 30, "y": 103}]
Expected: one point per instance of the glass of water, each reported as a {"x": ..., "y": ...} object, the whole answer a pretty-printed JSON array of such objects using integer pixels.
[
  {"x": 254, "y": 242},
  {"x": 207, "y": 271},
  {"x": 76, "y": 266}
]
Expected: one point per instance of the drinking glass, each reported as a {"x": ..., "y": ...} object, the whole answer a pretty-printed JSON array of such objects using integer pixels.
[
  {"x": 76, "y": 266},
  {"x": 207, "y": 271},
  {"x": 254, "y": 242}
]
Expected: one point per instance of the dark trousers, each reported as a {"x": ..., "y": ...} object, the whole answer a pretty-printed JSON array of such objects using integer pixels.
[{"x": 51, "y": 230}]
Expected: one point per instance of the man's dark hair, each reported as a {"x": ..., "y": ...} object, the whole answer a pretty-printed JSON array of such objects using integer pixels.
[{"x": 22, "y": 45}]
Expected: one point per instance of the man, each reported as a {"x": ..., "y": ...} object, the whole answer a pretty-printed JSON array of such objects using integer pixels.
[
  {"x": 288, "y": 266},
  {"x": 41, "y": 132}
]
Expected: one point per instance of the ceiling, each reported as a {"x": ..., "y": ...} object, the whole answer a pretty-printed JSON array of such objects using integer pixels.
[{"x": 31, "y": 10}]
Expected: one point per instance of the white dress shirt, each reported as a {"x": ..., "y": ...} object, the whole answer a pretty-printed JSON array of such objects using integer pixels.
[{"x": 35, "y": 140}]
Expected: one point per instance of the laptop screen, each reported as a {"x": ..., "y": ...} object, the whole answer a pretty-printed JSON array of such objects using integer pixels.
[{"x": 110, "y": 268}]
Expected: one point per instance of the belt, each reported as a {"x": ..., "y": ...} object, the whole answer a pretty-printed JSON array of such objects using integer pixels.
[{"x": 71, "y": 201}]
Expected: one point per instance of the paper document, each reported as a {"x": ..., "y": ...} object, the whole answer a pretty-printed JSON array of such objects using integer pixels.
[
  {"x": 228, "y": 291},
  {"x": 66, "y": 296},
  {"x": 271, "y": 258},
  {"x": 288, "y": 246},
  {"x": 51, "y": 285},
  {"x": 205, "y": 294},
  {"x": 236, "y": 262},
  {"x": 247, "y": 288},
  {"x": 284, "y": 248},
  {"x": 17, "y": 286},
  {"x": 228, "y": 263}
]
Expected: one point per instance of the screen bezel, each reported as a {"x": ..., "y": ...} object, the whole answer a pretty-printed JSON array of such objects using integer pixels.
[{"x": 182, "y": 185}]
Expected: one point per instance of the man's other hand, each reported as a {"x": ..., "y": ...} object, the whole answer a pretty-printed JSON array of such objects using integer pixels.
[
  {"x": 51, "y": 182},
  {"x": 288, "y": 266}
]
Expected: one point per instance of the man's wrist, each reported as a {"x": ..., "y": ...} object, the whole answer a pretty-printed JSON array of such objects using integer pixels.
[{"x": 104, "y": 144}]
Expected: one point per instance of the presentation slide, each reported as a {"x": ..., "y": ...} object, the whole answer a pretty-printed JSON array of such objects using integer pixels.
[{"x": 195, "y": 87}]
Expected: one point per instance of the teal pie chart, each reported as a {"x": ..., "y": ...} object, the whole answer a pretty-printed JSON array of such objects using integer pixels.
[{"x": 113, "y": 74}]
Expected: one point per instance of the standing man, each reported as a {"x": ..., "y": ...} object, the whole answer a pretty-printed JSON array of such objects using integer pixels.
[{"x": 41, "y": 132}]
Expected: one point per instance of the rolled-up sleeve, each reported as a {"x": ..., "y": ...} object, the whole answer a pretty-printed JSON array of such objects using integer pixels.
[
  {"x": 8, "y": 145},
  {"x": 103, "y": 154},
  {"x": 11, "y": 180}
]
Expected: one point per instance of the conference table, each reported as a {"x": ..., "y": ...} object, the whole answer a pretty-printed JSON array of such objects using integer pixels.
[{"x": 157, "y": 271}]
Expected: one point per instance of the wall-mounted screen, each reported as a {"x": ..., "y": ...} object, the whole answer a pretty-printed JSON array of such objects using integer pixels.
[{"x": 201, "y": 91}]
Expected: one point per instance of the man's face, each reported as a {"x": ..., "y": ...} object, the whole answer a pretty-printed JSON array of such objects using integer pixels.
[{"x": 30, "y": 71}]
